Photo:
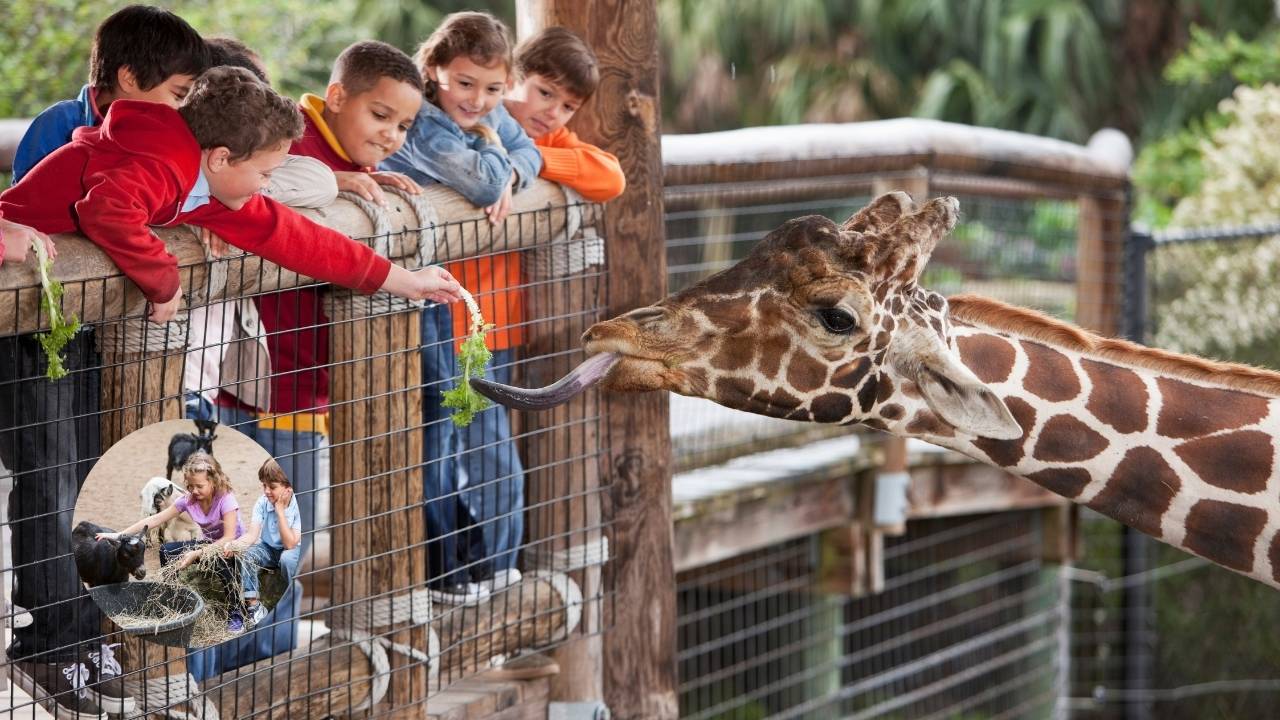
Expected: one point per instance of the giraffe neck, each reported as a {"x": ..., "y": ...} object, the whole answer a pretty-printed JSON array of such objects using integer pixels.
[{"x": 1185, "y": 460}]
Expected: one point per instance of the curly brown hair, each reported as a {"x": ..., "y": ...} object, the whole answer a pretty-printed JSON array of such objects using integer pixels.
[
  {"x": 229, "y": 107},
  {"x": 562, "y": 57},
  {"x": 363, "y": 64},
  {"x": 478, "y": 35},
  {"x": 202, "y": 462}
]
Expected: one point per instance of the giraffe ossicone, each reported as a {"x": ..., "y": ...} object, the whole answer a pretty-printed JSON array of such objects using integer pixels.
[{"x": 827, "y": 323}]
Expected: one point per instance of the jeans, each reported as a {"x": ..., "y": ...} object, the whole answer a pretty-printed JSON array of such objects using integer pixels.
[
  {"x": 473, "y": 483},
  {"x": 172, "y": 551},
  {"x": 197, "y": 407},
  {"x": 49, "y": 439},
  {"x": 270, "y": 558},
  {"x": 304, "y": 457}
]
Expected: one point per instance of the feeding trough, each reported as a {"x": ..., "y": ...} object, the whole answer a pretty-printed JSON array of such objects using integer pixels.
[{"x": 161, "y": 613}]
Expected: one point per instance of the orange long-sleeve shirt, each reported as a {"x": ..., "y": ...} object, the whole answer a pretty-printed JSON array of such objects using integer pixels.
[{"x": 592, "y": 172}]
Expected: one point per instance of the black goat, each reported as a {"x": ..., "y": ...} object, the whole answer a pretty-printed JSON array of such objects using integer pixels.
[
  {"x": 102, "y": 562},
  {"x": 182, "y": 445}
]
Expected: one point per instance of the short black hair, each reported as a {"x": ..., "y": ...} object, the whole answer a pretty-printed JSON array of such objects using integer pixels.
[
  {"x": 363, "y": 64},
  {"x": 152, "y": 42},
  {"x": 229, "y": 52}
]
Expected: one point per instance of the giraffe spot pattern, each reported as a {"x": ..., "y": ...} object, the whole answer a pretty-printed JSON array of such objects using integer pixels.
[
  {"x": 1008, "y": 452},
  {"x": 772, "y": 349},
  {"x": 735, "y": 353},
  {"x": 734, "y": 390},
  {"x": 1067, "y": 482},
  {"x": 1274, "y": 554},
  {"x": 988, "y": 356},
  {"x": 884, "y": 388},
  {"x": 831, "y": 407},
  {"x": 926, "y": 423},
  {"x": 1231, "y": 461},
  {"x": 804, "y": 373},
  {"x": 1191, "y": 411},
  {"x": 867, "y": 394},
  {"x": 892, "y": 411},
  {"x": 1049, "y": 373},
  {"x": 1118, "y": 397},
  {"x": 876, "y": 423},
  {"x": 1140, "y": 491},
  {"x": 1066, "y": 439},
  {"x": 851, "y": 375},
  {"x": 1224, "y": 532},
  {"x": 776, "y": 404}
]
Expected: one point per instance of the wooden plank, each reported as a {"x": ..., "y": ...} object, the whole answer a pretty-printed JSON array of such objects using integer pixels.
[
  {"x": 790, "y": 509},
  {"x": 1100, "y": 237},
  {"x": 624, "y": 117},
  {"x": 944, "y": 489}
]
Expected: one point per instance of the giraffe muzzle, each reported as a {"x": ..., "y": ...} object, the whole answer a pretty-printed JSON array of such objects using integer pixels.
[{"x": 588, "y": 373}]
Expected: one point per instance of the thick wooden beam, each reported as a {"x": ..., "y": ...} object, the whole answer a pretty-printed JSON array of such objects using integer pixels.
[{"x": 624, "y": 117}]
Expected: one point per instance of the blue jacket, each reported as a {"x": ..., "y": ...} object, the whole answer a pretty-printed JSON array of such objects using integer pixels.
[
  {"x": 437, "y": 150},
  {"x": 52, "y": 129}
]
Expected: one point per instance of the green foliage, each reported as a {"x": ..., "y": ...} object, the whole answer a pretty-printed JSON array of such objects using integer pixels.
[
  {"x": 47, "y": 41},
  {"x": 61, "y": 327},
  {"x": 473, "y": 357}
]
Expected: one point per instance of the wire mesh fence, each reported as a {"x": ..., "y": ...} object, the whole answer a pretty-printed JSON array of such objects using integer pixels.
[
  {"x": 428, "y": 552},
  {"x": 969, "y": 625}
]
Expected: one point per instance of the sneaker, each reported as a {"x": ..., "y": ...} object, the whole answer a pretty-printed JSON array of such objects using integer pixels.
[
  {"x": 235, "y": 623},
  {"x": 258, "y": 614},
  {"x": 61, "y": 688},
  {"x": 502, "y": 579},
  {"x": 460, "y": 594},
  {"x": 106, "y": 686}
]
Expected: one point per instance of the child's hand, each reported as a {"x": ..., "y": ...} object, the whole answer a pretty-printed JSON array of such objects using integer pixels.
[
  {"x": 188, "y": 558},
  {"x": 438, "y": 285},
  {"x": 498, "y": 211},
  {"x": 362, "y": 184},
  {"x": 164, "y": 312},
  {"x": 230, "y": 549},
  {"x": 18, "y": 239},
  {"x": 395, "y": 179},
  {"x": 107, "y": 536},
  {"x": 216, "y": 246},
  {"x": 283, "y": 496}
]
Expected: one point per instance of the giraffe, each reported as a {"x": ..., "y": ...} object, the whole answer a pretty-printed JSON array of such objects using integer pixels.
[{"x": 826, "y": 323}]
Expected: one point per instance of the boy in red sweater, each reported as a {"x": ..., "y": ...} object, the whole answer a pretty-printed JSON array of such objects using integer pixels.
[
  {"x": 373, "y": 96},
  {"x": 558, "y": 73}
]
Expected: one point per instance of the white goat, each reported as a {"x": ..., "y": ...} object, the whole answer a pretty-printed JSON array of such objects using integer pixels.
[{"x": 158, "y": 494}]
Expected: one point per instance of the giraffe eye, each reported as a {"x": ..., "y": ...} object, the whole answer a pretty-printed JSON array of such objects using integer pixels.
[{"x": 837, "y": 321}]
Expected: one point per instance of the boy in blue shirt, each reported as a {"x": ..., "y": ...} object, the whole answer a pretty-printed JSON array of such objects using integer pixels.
[
  {"x": 139, "y": 53},
  {"x": 275, "y": 531}
]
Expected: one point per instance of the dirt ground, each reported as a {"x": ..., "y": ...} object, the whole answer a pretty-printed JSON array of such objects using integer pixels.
[{"x": 111, "y": 495}]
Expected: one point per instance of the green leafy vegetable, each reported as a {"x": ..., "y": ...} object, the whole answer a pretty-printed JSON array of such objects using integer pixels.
[
  {"x": 473, "y": 357},
  {"x": 61, "y": 328}
]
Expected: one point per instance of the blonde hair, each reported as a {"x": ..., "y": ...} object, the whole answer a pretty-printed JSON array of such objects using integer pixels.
[
  {"x": 477, "y": 35},
  {"x": 202, "y": 462}
]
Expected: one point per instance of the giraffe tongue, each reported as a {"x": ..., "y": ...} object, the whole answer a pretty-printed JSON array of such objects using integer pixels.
[{"x": 588, "y": 373}]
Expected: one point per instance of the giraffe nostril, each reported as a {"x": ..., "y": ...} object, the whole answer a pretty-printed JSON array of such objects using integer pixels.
[{"x": 643, "y": 315}]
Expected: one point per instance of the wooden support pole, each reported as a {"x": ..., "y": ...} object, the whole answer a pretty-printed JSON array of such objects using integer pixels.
[
  {"x": 1100, "y": 237},
  {"x": 638, "y": 653},
  {"x": 377, "y": 526}
]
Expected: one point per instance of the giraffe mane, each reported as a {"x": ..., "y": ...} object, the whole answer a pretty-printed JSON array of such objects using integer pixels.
[{"x": 1036, "y": 326}]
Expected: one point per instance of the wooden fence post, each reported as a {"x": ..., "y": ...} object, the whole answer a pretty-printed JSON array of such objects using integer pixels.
[{"x": 624, "y": 117}]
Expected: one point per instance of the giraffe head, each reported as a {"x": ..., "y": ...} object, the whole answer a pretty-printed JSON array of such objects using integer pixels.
[{"x": 820, "y": 323}]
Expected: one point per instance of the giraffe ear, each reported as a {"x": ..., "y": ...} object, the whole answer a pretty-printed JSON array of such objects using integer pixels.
[
  {"x": 959, "y": 397},
  {"x": 880, "y": 213}
]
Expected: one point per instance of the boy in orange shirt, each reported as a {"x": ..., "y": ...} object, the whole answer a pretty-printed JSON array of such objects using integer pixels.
[{"x": 558, "y": 73}]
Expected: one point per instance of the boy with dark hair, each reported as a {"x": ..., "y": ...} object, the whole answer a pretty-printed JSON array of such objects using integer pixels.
[
  {"x": 373, "y": 95},
  {"x": 558, "y": 73},
  {"x": 203, "y": 164},
  {"x": 271, "y": 542},
  {"x": 139, "y": 53}
]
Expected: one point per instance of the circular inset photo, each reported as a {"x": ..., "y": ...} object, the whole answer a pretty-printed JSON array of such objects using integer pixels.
[{"x": 187, "y": 533}]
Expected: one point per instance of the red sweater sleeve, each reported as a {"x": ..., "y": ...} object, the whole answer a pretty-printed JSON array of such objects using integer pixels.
[
  {"x": 268, "y": 229},
  {"x": 114, "y": 214},
  {"x": 594, "y": 173}
]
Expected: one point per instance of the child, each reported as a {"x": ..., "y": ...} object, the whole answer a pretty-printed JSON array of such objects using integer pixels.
[
  {"x": 557, "y": 74},
  {"x": 273, "y": 538},
  {"x": 210, "y": 503},
  {"x": 49, "y": 432},
  {"x": 464, "y": 138},
  {"x": 373, "y": 96},
  {"x": 139, "y": 53},
  {"x": 202, "y": 165}
]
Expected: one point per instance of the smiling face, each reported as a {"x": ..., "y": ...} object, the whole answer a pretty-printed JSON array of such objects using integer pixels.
[
  {"x": 199, "y": 486},
  {"x": 467, "y": 91},
  {"x": 273, "y": 492},
  {"x": 820, "y": 323},
  {"x": 541, "y": 106},
  {"x": 234, "y": 182},
  {"x": 372, "y": 125}
]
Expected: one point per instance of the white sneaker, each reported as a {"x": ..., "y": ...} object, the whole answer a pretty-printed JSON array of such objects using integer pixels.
[
  {"x": 258, "y": 614},
  {"x": 469, "y": 594},
  {"x": 502, "y": 579}
]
